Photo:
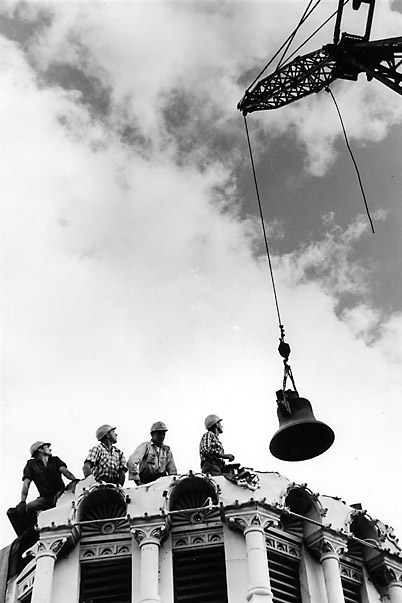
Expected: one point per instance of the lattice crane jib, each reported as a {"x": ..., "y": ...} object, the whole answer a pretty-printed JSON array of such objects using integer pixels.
[{"x": 347, "y": 57}]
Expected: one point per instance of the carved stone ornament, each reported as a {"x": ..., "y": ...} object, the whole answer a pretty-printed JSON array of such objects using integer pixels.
[
  {"x": 283, "y": 546},
  {"x": 384, "y": 568},
  {"x": 25, "y": 585},
  {"x": 323, "y": 543},
  {"x": 197, "y": 538},
  {"x": 246, "y": 520},
  {"x": 99, "y": 550},
  {"x": 353, "y": 573},
  {"x": 154, "y": 533},
  {"x": 48, "y": 547}
]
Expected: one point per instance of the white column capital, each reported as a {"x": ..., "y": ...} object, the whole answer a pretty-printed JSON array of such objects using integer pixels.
[
  {"x": 258, "y": 520},
  {"x": 45, "y": 551},
  {"x": 46, "y": 547},
  {"x": 385, "y": 569},
  {"x": 149, "y": 533},
  {"x": 326, "y": 544}
]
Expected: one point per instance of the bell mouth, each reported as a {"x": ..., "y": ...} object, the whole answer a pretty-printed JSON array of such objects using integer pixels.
[{"x": 301, "y": 440}]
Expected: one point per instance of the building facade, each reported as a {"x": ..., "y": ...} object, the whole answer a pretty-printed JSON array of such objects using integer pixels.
[{"x": 198, "y": 539}]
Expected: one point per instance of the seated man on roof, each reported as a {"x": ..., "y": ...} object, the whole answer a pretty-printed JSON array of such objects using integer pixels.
[
  {"x": 105, "y": 461},
  {"x": 45, "y": 471},
  {"x": 151, "y": 460}
]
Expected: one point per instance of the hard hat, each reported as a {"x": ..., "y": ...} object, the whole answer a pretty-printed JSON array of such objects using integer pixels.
[
  {"x": 37, "y": 445},
  {"x": 211, "y": 420},
  {"x": 158, "y": 426},
  {"x": 103, "y": 430}
]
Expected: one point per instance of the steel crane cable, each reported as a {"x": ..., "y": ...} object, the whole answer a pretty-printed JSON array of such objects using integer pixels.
[
  {"x": 290, "y": 38},
  {"x": 353, "y": 159},
  {"x": 315, "y": 32},
  {"x": 292, "y": 35},
  {"x": 284, "y": 348},
  {"x": 263, "y": 224},
  {"x": 287, "y": 42}
]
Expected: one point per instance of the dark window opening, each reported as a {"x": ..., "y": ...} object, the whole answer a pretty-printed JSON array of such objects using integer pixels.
[
  {"x": 284, "y": 578},
  {"x": 200, "y": 575},
  {"x": 351, "y": 591},
  {"x": 106, "y": 581}
]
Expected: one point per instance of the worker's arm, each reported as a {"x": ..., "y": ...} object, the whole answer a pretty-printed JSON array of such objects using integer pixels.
[
  {"x": 122, "y": 469},
  {"x": 134, "y": 462},
  {"x": 229, "y": 457},
  {"x": 87, "y": 468},
  {"x": 171, "y": 468},
  {"x": 64, "y": 471},
  {"x": 122, "y": 476},
  {"x": 25, "y": 488},
  {"x": 211, "y": 448}
]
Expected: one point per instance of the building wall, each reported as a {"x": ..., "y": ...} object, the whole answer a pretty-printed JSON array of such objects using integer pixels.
[{"x": 278, "y": 519}]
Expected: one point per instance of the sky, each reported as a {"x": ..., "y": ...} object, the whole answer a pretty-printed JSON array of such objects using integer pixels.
[{"x": 134, "y": 276}]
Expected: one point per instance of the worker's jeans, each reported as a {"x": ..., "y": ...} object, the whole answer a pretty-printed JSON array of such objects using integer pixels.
[{"x": 39, "y": 504}]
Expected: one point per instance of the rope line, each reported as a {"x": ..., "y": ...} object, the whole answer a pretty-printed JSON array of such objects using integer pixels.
[
  {"x": 263, "y": 225},
  {"x": 287, "y": 42},
  {"x": 316, "y": 31},
  {"x": 353, "y": 159},
  {"x": 290, "y": 38}
]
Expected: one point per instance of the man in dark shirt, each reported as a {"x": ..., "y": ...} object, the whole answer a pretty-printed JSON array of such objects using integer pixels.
[{"x": 45, "y": 471}]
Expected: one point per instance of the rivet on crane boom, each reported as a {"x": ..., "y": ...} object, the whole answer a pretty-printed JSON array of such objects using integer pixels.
[{"x": 346, "y": 58}]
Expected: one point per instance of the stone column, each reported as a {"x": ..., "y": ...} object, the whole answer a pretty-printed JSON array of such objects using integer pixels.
[
  {"x": 149, "y": 538},
  {"x": 395, "y": 591},
  {"x": 385, "y": 570},
  {"x": 328, "y": 547},
  {"x": 46, "y": 554},
  {"x": 330, "y": 566},
  {"x": 253, "y": 526}
]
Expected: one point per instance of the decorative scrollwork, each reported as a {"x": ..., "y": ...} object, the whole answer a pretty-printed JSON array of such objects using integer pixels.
[
  {"x": 353, "y": 574},
  {"x": 193, "y": 539},
  {"x": 323, "y": 543},
  {"x": 246, "y": 520},
  {"x": 121, "y": 548},
  {"x": 153, "y": 533},
  {"x": 46, "y": 547},
  {"x": 290, "y": 549}
]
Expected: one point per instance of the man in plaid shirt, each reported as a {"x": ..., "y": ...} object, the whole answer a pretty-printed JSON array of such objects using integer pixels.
[
  {"x": 105, "y": 461},
  {"x": 211, "y": 450}
]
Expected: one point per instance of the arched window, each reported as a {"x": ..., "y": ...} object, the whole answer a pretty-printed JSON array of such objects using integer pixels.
[
  {"x": 102, "y": 511},
  {"x": 199, "y": 567},
  {"x": 105, "y": 547},
  {"x": 284, "y": 545}
]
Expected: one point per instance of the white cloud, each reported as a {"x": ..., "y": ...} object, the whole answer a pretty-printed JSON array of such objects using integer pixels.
[{"x": 132, "y": 288}]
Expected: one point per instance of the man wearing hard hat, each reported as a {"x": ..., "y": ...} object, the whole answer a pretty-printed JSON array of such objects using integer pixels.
[
  {"x": 45, "y": 471},
  {"x": 211, "y": 450},
  {"x": 151, "y": 460},
  {"x": 105, "y": 461}
]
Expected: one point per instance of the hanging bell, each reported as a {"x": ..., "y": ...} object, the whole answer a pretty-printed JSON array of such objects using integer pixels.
[{"x": 300, "y": 436}]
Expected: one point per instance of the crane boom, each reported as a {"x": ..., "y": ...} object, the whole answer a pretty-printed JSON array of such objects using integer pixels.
[
  {"x": 379, "y": 59},
  {"x": 303, "y": 76},
  {"x": 344, "y": 59}
]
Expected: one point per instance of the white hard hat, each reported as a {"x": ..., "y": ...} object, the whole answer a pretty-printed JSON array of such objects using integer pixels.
[
  {"x": 103, "y": 430},
  {"x": 37, "y": 445},
  {"x": 211, "y": 420}
]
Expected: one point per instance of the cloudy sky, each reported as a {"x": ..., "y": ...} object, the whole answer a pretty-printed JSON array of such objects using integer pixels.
[{"x": 135, "y": 285}]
